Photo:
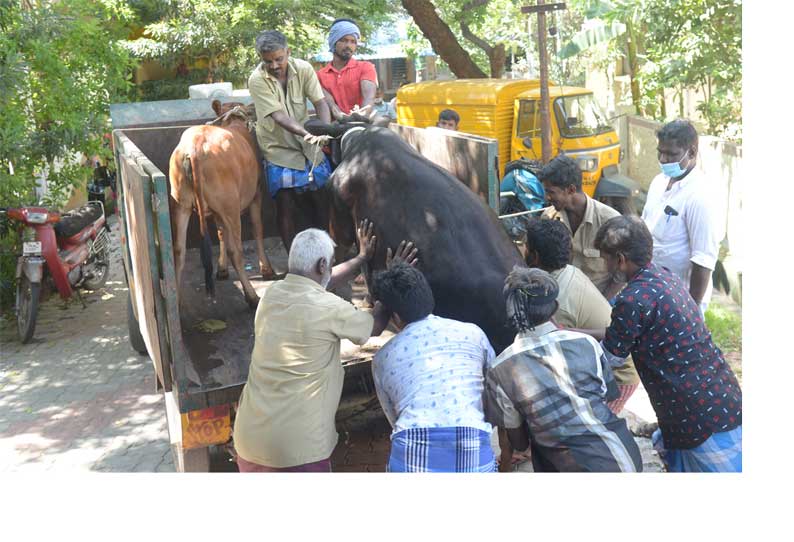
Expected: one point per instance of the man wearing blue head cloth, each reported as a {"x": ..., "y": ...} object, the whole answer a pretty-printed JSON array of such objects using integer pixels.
[{"x": 347, "y": 82}]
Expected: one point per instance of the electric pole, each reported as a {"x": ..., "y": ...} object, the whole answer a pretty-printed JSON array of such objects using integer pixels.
[{"x": 545, "y": 125}]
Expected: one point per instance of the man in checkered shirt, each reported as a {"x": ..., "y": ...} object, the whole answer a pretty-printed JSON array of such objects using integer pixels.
[{"x": 550, "y": 388}]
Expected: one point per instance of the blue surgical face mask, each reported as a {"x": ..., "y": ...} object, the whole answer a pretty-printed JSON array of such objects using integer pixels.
[{"x": 673, "y": 169}]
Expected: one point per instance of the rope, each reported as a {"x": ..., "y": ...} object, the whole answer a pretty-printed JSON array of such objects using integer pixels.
[{"x": 524, "y": 212}]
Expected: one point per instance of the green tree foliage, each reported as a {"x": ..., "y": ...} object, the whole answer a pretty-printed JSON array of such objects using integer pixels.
[
  {"x": 481, "y": 27},
  {"x": 221, "y": 33},
  {"x": 59, "y": 70},
  {"x": 676, "y": 45}
]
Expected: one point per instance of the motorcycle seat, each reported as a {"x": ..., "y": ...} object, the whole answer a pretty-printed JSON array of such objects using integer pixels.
[{"x": 72, "y": 222}]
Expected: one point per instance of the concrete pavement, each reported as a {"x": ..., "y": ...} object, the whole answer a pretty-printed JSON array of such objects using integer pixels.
[{"x": 78, "y": 398}]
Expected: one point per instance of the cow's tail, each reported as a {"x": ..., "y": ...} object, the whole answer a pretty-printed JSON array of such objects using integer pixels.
[{"x": 192, "y": 174}]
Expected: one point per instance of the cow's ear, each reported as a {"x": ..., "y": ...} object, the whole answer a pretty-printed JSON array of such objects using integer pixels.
[{"x": 216, "y": 106}]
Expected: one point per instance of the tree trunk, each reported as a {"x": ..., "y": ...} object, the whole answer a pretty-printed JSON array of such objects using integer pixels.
[
  {"x": 681, "y": 102},
  {"x": 633, "y": 67},
  {"x": 663, "y": 107},
  {"x": 496, "y": 54},
  {"x": 442, "y": 39}
]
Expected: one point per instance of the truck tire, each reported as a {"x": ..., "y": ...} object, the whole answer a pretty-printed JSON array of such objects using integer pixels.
[{"x": 136, "y": 339}]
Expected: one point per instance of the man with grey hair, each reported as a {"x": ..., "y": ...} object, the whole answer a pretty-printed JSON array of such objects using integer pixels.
[
  {"x": 297, "y": 168},
  {"x": 285, "y": 419},
  {"x": 550, "y": 388}
]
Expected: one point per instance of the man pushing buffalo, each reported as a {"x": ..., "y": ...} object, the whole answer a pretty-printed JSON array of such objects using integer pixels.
[{"x": 296, "y": 167}]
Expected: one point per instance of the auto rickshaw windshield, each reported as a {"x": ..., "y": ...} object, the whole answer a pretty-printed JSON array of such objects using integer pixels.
[{"x": 579, "y": 116}]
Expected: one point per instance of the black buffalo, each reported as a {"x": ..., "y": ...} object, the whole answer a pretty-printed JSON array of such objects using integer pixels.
[{"x": 464, "y": 251}]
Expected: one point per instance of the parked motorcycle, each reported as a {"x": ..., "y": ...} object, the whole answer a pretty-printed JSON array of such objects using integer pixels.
[{"x": 74, "y": 247}]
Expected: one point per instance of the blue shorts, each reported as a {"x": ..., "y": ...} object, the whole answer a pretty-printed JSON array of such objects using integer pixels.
[{"x": 279, "y": 177}]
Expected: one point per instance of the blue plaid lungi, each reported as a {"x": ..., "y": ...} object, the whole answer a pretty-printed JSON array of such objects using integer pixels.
[
  {"x": 441, "y": 449},
  {"x": 721, "y": 452},
  {"x": 279, "y": 177}
]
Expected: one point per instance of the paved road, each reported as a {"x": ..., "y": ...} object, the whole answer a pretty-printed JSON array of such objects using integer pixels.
[{"x": 78, "y": 398}]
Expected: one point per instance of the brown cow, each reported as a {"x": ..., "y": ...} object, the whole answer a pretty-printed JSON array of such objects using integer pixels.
[{"x": 215, "y": 169}]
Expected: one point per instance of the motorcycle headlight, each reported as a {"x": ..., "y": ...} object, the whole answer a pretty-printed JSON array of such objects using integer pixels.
[
  {"x": 587, "y": 163},
  {"x": 37, "y": 218}
]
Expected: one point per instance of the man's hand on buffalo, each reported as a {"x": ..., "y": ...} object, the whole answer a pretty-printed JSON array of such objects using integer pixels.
[
  {"x": 406, "y": 252},
  {"x": 346, "y": 271},
  {"x": 366, "y": 239}
]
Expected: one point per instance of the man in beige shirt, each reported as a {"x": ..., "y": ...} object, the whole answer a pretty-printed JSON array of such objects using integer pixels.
[
  {"x": 285, "y": 418},
  {"x": 562, "y": 181},
  {"x": 297, "y": 169},
  {"x": 580, "y": 304}
]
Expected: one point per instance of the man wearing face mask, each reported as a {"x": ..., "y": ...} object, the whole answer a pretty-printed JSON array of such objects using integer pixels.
[
  {"x": 383, "y": 108},
  {"x": 285, "y": 421},
  {"x": 347, "y": 82},
  {"x": 682, "y": 212}
]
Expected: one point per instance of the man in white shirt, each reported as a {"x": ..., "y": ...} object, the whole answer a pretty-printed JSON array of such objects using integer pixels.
[
  {"x": 683, "y": 212},
  {"x": 429, "y": 380}
]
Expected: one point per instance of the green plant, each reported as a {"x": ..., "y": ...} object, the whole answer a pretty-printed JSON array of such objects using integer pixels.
[
  {"x": 725, "y": 327},
  {"x": 60, "y": 67}
]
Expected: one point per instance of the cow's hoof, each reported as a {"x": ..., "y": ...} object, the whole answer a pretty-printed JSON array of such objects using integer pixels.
[
  {"x": 222, "y": 274},
  {"x": 267, "y": 273}
]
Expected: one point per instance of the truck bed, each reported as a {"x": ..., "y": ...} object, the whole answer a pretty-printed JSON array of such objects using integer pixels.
[{"x": 219, "y": 332}]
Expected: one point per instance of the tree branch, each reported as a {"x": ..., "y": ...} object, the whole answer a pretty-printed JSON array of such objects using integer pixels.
[
  {"x": 440, "y": 36},
  {"x": 496, "y": 54}
]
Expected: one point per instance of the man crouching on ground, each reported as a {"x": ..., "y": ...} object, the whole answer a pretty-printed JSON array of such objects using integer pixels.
[
  {"x": 429, "y": 380},
  {"x": 550, "y": 388},
  {"x": 285, "y": 421}
]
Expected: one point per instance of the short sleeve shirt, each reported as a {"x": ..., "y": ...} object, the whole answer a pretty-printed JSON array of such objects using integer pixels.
[
  {"x": 279, "y": 146},
  {"x": 693, "y": 234},
  {"x": 431, "y": 375},
  {"x": 585, "y": 256},
  {"x": 557, "y": 382},
  {"x": 582, "y": 306},
  {"x": 692, "y": 389},
  {"x": 288, "y": 405},
  {"x": 345, "y": 85}
]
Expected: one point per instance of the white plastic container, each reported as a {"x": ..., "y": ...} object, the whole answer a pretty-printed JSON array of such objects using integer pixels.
[{"x": 210, "y": 90}]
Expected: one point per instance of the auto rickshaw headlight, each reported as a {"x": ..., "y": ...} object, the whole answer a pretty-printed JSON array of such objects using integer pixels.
[{"x": 588, "y": 163}]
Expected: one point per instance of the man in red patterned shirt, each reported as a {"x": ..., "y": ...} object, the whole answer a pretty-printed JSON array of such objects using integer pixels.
[
  {"x": 347, "y": 82},
  {"x": 693, "y": 391}
]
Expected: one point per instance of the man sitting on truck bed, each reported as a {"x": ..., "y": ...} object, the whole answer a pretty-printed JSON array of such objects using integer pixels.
[
  {"x": 296, "y": 168},
  {"x": 347, "y": 82},
  {"x": 285, "y": 419},
  {"x": 562, "y": 181}
]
